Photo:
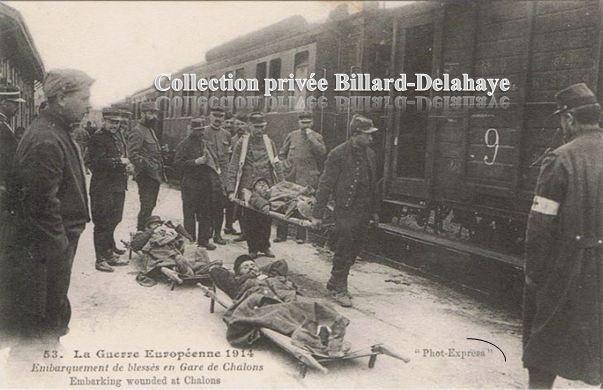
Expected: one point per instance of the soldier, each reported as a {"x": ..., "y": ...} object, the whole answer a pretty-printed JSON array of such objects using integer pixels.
[
  {"x": 254, "y": 158},
  {"x": 110, "y": 166},
  {"x": 350, "y": 176},
  {"x": 50, "y": 176},
  {"x": 217, "y": 140},
  {"x": 563, "y": 299},
  {"x": 302, "y": 154},
  {"x": 200, "y": 185},
  {"x": 239, "y": 128},
  {"x": 145, "y": 154}
]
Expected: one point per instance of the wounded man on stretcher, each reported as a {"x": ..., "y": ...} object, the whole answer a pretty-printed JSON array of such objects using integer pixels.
[
  {"x": 163, "y": 246},
  {"x": 266, "y": 298},
  {"x": 289, "y": 199}
]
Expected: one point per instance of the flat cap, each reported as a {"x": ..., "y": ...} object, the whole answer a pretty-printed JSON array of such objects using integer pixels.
[
  {"x": 65, "y": 81},
  {"x": 305, "y": 116},
  {"x": 240, "y": 260},
  {"x": 241, "y": 116},
  {"x": 574, "y": 96},
  {"x": 362, "y": 124},
  {"x": 152, "y": 219},
  {"x": 257, "y": 118},
  {"x": 217, "y": 109},
  {"x": 10, "y": 93},
  {"x": 110, "y": 112},
  {"x": 197, "y": 123},
  {"x": 148, "y": 106}
]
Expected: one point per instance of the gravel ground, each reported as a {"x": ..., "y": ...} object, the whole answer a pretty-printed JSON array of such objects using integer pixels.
[{"x": 412, "y": 315}]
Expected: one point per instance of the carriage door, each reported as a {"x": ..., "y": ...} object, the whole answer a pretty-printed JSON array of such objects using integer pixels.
[{"x": 411, "y": 157}]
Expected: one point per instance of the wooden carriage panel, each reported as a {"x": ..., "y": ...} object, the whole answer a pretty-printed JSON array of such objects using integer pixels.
[{"x": 566, "y": 48}]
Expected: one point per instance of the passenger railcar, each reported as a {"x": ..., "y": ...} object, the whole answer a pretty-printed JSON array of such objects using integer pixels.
[{"x": 458, "y": 166}]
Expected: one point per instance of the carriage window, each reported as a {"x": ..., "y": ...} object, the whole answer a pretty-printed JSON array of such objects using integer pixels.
[
  {"x": 187, "y": 103},
  {"x": 412, "y": 126},
  {"x": 300, "y": 68},
  {"x": 275, "y": 68},
  {"x": 260, "y": 75}
]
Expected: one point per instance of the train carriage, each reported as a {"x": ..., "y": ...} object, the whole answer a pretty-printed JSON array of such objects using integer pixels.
[{"x": 460, "y": 165}]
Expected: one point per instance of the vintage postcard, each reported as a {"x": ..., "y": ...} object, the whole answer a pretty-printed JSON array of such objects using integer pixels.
[{"x": 301, "y": 194}]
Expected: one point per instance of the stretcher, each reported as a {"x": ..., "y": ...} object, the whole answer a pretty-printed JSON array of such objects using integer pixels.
[
  {"x": 306, "y": 358},
  {"x": 274, "y": 214},
  {"x": 183, "y": 279}
]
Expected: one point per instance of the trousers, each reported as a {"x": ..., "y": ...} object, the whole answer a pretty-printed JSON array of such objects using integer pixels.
[
  {"x": 107, "y": 212},
  {"x": 257, "y": 227},
  {"x": 148, "y": 190},
  {"x": 197, "y": 212},
  {"x": 351, "y": 229},
  {"x": 282, "y": 231}
]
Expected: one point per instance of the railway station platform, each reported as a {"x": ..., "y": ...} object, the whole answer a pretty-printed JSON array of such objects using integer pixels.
[{"x": 432, "y": 323}]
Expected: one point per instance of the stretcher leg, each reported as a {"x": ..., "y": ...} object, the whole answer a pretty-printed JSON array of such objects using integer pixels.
[{"x": 372, "y": 361}]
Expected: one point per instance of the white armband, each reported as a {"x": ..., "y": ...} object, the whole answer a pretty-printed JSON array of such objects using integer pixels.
[{"x": 545, "y": 206}]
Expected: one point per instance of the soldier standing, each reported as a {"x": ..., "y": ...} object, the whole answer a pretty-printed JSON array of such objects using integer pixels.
[
  {"x": 302, "y": 154},
  {"x": 109, "y": 165},
  {"x": 145, "y": 154},
  {"x": 239, "y": 128},
  {"x": 563, "y": 299},
  {"x": 254, "y": 158},
  {"x": 49, "y": 173},
  {"x": 350, "y": 176},
  {"x": 217, "y": 139},
  {"x": 199, "y": 183}
]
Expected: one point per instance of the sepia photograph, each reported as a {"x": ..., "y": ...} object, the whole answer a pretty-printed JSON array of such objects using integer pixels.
[{"x": 301, "y": 194}]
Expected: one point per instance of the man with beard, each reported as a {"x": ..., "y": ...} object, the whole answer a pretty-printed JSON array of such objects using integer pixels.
[
  {"x": 350, "y": 176},
  {"x": 145, "y": 154},
  {"x": 564, "y": 251},
  {"x": 50, "y": 176},
  {"x": 217, "y": 139},
  {"x": 200, "y": 185},
  {"x": 108, "y": 185}
]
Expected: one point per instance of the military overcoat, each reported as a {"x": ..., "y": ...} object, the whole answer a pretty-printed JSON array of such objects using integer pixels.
[
  {"x": 303, "y": 155},
  {"x": 563, "y": 301}
]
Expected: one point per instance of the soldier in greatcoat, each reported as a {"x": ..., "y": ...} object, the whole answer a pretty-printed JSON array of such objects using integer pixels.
[
  {"x": 254, "y": 157},
  {"x": 302, "y": 154},
  {"x": 145, "y": 153},
  {"x": 217, "y": 140},
  {"x": 109, "y": 164},
  {"x": 200, "y": 185},
  {"x": 563, "y": 296},
  {"x": 350, "y": 176},
  {"x": 54, "y": 206}
]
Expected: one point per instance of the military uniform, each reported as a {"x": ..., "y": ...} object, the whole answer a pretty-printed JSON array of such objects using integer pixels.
[
  {"x": 302, "y": 154},
  {"x": 563, "y": 297},
  {"x": 200, "y": 185},
  {"x": 218, "y": 142},
  {"x": 350, "y": 177},
  {"x": 257, "y": 165},
  {"x": 108, "y": 187},
  {"x": 145, "y": 154}
]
